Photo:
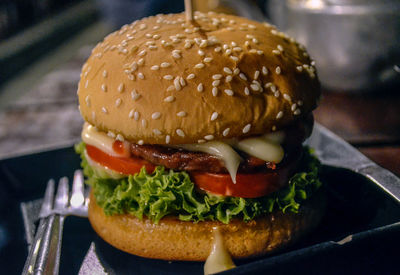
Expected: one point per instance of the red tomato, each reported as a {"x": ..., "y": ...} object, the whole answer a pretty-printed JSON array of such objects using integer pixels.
[
  {"x": 128, "y": 166},
  {"x": 247, "y": 185}
]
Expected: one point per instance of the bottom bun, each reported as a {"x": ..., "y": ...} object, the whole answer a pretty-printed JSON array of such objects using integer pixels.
[{"x": 173, "y": 239}]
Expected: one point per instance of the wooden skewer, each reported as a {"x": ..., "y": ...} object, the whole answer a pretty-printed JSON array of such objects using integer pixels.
[{"x": 189, "y": 10}]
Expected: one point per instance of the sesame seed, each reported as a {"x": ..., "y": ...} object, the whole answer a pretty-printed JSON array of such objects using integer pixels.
[
  {"x": 312, "y": 63},
  {"x": 200, "y": 52},
  {"x": 104, "y": 87},
  {"x": 293, "y": 107},
  {"x": 280, "y": 48},
  {"x": 134, "y": 66},
  {"x": 246, "y": 91},
  {"x": 169, "y": 98},
  {"x": 228, "y": 51},
  {"x": 191, "y": 76},
  {"x": 182, "y": 81},
  {"x": 264, "y": 70},
  {"x": 104, "y": 110},
  {"x": 229, "y": 92},
  {"x": 278, "y": 70},
  {"x": 236, "y": 71},
  {"x": 155, "y": 68},
  {"x": 201, "y": 141},
  {"x": 276, "y": 52},
  {"x": 200, "y": 87},
  {"x": 142, "y": 53},
  {"x": 287, "y": 97},
  {"x": 217, "y": 76},
  {"x": 237, "y": 49},
  {"x": 140, "y": 76},
  {"x": 279, "y": 115},
  {"x": 215, "y": 83},
  {"x": 142, "y": 26},
  {"x": 246, "y": 128},
  {"x": 177, "y": 84},
  {"x": 297, "y": 112},
  {"x": 227, "y": 70},
  {"x": 176, "y": 55},
  {"x": 181, "y": 114},
  {"x": 217, "y": 49},
  {"x": 111, "y": 134},
  {"x": 87, "y": 100},
  {"x": 104, "y": 73},
  {"x": 157, "y": 132},
  {"x": 136, "y": 115},
  {"x": 188, "y": 45},
  {"x": 247, "y": 43},
  {"x": 135, "y": 95},
  {"x": 199, "y": 66},
  {"x": 214, "y": 116},
  {"x": 144, "y": 123},
  {"x": 228, "y": 78},
  {"x": 170, "y": 88},
  {"x": 253, "y": 51},
  {"x": 167, "y": 139},
  {"x": 207, "y": 59},
  {"x": 86, "y": 83},
  {"x": 277, "y": 93},
  {"x": 255, "y": 41},
  {"x": 168, "y": 77},
  {"x": 152, "y": 47},
  {"x": 165, "y": 65},
  {"x": 140, "y": 61},
  {"x": 214, "y": 91},
  {"x": 254, "y": 87},
  {"x": 140, "y": 142},
  {"x": 299, "y": 68},
  {"x": 300, "y": 102},
  {"x": 156, "y": 36},
  {"x": 234, "y": 58},
  {"x": 209, "y": 137},
  {"x": 243, "y": 76},
  {"x": 121, "y": 87},
  {"x": 120, "y": 137},
  {"x": 256, "y": 74},
  {"x": 118, "y": 102},
  {"x": 226, "y": 132},
  {"x": 180, "y": 133},
  {"x": 156, "y": 115},
  {"x": 130, "y": 115}
]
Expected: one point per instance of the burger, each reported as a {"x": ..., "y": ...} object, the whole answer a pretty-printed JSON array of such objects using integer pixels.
[{"x": 193, "y": 126}]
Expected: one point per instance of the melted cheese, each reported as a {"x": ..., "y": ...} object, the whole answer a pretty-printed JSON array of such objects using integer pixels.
[
  {"x": 100, "y": 140},
  {"x": 222, "y": 150},
  {"x": 219, "y": 259},
  {"x": 262, "y": 148}
]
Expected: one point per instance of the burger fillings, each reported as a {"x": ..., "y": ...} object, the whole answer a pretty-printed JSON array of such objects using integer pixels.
[{"x": 195, "y": 126}]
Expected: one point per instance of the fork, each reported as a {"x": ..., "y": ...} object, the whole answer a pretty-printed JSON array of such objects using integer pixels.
[{"x": 44, "y": 254}]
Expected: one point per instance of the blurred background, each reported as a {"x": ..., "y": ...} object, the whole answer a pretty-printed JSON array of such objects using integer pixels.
[{"x": 355, "y": 43}]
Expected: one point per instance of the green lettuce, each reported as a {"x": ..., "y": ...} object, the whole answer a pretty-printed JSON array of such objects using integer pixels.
[{"x": 166, "y": 192}]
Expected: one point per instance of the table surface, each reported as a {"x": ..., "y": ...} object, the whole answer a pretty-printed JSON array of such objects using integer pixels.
[{"x": 46, "y": 115}]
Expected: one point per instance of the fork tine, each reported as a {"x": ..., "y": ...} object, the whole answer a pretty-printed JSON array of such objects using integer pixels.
[
  {"x": 78, "y": 196},
  {"x": 61, "y": 200},
  {"x": 47, "y": 203}
]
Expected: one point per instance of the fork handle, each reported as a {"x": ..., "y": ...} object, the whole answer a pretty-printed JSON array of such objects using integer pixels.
[
  {"x": 46, "y": 248},
  {"x": 48, "y": 261}
]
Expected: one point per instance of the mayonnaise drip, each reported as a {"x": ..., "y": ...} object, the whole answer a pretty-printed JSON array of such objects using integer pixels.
[{"x": 219, "y": 259}]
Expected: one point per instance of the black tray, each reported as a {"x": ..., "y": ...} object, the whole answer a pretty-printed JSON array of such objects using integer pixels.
[{"x": 360, "y": 233}]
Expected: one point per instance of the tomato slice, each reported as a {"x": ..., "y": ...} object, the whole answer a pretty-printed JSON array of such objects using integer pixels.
[
  {"x": 128, "y": 166},
  {"x": 246, "y": 186}
]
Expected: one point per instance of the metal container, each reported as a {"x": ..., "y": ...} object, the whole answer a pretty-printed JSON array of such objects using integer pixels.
[{"x": 355, "y": 43}]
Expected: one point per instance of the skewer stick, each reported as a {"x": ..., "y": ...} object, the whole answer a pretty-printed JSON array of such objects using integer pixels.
[{"x": 189, "y": 10}]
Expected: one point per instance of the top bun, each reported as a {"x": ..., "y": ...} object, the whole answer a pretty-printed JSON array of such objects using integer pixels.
[{"x": 164, "y": 80}]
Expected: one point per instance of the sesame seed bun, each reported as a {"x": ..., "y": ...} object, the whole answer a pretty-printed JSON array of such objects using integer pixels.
[
  {"x": 173, "y": 239},
  {"x": 162, "y": 80}
]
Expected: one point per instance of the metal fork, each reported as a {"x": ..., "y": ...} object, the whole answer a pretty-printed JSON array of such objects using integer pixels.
[{"x": 44, "y": 254}]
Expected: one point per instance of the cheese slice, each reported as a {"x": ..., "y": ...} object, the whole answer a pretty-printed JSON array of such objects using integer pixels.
[
  {"x": 90, "y": 135},
  {"x": 219, "y": 259}
]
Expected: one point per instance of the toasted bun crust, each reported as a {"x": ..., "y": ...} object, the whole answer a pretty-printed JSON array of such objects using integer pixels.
[
  {"x": 173, "y": 239},
  {"x": 138, "y": 81}
]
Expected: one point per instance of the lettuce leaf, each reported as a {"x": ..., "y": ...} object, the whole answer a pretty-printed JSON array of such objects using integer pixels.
[{"x": 166, "y": 192}]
